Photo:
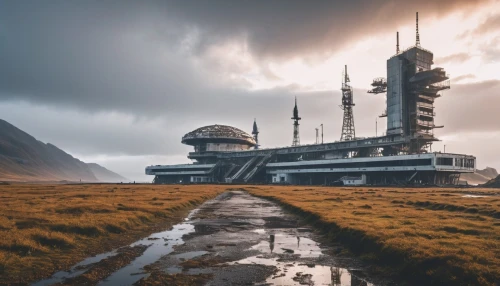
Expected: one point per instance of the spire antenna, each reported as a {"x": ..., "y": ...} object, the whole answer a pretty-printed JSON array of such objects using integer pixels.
[
  {"x": 296, "y": 118},
  {"x": 397, "y": 42},
  {"x": 255, "y": 133},
  {"x": 418, "y": 35}
]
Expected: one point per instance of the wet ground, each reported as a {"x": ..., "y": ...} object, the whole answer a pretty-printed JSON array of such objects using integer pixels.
[{"x": 235, "y": 239}]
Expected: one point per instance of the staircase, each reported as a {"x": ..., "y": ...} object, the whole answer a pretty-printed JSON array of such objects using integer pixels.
[
  {"x": 230, "y": 171},
  {"x": 215, "y": 167},
  {"x": 260, "y": 164},
  {"x": 242, "y": 170}
]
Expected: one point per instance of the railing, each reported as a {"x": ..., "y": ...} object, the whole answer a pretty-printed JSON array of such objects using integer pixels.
[
  {"x": 425, "y": 123},
  {"x": 426, "y": 113},
  {"x": 425, "y": 105},
  {"x": 332, "y": 146}
]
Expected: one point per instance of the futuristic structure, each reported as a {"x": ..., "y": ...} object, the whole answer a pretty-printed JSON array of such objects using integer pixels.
[{"x": 403, "y": 156}]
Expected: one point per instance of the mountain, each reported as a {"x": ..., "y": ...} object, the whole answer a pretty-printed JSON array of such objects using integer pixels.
[
  {"x": 104, "y": 175},
  {"x": 480, "y": 176},
  {"x": 24, "y": 158},
  {"x": 493, "y": 183}
]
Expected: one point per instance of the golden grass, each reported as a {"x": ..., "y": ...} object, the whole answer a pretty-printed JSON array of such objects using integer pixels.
[
  {"x": 44, "y": 228},
  {"x": 428, "y": 234}
]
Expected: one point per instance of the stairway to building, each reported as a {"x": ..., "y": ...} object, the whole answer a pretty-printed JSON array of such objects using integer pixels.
[
  {"x": 259, "y": 166},
  {"x": 242, "y": 171},
  {"x": 231, "y": 171},
  {"x": 215, "y": 167}
]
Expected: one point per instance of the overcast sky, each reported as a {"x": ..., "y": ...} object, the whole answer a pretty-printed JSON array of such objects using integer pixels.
[{"x": 120, "y": 82}]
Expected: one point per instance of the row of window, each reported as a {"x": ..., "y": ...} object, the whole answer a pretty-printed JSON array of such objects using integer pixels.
[
  {"x": 459, "y": 162},
  {"x": 394, "y": 163}
]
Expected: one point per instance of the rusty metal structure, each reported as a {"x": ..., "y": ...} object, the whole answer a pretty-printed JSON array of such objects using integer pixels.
[
  {"x": 348, "y": 131},
  {"x": 402, "y": 156}
]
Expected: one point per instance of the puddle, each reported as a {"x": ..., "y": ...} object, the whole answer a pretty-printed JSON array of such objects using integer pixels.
[
  {"x": 291, "y": 255},
  {"x": 475, "y": 196},
  {"x": 288, "y": 244},
  {"x": 162, "y": 244},
  {"x": 76, "y": 270},
  {"x": 159, "y": 244},
  {"x": 289, "y": 273},
  {"x": 293, "y": 274}
]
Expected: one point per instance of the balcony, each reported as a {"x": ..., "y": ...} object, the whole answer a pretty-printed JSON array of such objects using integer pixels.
[
  {"x": 425, "y": 113},
  {"x": 425, "y": 105}
]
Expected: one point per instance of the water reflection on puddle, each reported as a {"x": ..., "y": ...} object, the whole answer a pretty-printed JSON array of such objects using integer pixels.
[
  {"x": 159, "y": 244},
  {"x": 281, "y": 249},
  {"x": 475, "y": 196},
  {"x": 76, "y": 270}
]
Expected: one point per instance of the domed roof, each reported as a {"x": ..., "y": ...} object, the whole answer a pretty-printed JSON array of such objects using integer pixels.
[{"x": 218, "y": 133}]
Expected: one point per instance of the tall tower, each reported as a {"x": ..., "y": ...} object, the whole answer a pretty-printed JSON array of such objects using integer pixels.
[
  {"x": 348, "y": 132},
  {"x": 411, "y": 88},
  {"x": 255, "y": 133},
  {"x": 296, "y": 118}
]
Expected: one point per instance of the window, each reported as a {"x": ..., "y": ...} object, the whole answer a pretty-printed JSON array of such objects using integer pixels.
[{"x": 444, "y": 161}]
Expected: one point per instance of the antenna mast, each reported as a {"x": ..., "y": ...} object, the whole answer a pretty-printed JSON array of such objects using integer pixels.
[
  {"x": 296, "y": 118},
  {"x": 397, "y": 42},
  {"x": 348, "y": 132},
  {"x": 418, "y": 35}
]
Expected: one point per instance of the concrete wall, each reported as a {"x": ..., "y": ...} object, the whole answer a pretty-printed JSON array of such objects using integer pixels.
[{"x": 394, "y": 96}]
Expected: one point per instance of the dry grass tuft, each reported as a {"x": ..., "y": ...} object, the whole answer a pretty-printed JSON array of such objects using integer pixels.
[{"x": 44, "y": 228}]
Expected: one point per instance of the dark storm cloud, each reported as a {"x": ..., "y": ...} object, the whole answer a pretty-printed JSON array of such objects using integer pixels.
[
  {"x": 134, "y": 57},
  {"x": 283, "y": 28}
]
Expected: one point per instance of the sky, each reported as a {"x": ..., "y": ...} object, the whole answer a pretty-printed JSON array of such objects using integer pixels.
[{"x": 120, "y": 82}]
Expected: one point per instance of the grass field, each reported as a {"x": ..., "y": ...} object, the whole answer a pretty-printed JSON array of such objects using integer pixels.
[
  {"x": 428, "y": 235},
  {"x": 44, "y": 228}
]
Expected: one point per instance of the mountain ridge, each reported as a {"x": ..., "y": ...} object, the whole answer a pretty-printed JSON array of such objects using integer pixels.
[
  {"x": 24, "y": 158},
  {"x": 105, "y": 175},
  {"x": 479, "y": 176}
]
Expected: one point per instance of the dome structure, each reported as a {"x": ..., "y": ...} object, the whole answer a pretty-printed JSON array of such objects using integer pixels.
[{"x": 218, "y": 134}]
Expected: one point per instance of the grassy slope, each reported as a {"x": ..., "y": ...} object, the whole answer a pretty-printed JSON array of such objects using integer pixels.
[
  {"x": 44, "y": 228},
  {"x": 431, "y": 236}
]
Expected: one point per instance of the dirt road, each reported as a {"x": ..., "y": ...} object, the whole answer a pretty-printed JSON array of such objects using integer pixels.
[{"x": 235, "y": 239}]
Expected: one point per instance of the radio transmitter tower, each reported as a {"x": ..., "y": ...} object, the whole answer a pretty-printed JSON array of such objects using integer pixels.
[
  {"x": 296, "y": 118},
  {"x": 348, "y": 132}
]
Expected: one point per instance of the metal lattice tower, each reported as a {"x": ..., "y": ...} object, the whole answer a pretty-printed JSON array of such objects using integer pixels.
[
  {"x": 296, "y": 118},
  {"x": 348, "y": 132},
  {"x": 255, "y": 133}
]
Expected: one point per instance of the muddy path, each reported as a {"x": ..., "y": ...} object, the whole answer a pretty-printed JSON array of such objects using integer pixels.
[{"x": 234, "y": 239}]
